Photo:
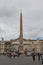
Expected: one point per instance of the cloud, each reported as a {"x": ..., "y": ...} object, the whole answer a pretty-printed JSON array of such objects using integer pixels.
[
  {"x": 32, "y": 11},
  {"x": 7, "y": 9}
]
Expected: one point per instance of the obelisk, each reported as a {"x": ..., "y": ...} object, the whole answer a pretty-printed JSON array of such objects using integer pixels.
[
  {"x": 21, "y": 29},
  {"x": 21, "y": 33}
]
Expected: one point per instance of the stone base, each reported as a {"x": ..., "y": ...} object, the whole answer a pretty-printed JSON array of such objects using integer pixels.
[{"x": 21, "y": 50}]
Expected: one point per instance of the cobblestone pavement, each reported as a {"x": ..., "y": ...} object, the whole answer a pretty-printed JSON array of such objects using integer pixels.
[{"x": 22, "y": 60}]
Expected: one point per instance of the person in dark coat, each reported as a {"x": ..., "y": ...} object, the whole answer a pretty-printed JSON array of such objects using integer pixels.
[
  {"x": 18, "y": 51},
  {"x": 42, "y": 58},
  {"x": 39, "y": 56},
  {"x": 25, "y": 51},
  {"x": 33, "y": 56}
]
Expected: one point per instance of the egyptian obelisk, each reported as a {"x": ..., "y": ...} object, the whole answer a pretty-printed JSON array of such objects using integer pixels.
[
  {"x": 21, "y": 29},
  {"x": 21, "y": 33}
]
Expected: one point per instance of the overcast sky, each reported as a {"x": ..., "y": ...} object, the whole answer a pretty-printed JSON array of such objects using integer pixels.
[{"x": 32, "y": 11}]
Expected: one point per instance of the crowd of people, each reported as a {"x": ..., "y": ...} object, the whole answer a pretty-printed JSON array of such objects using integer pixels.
[
  {"x": 14, "y": 54},
  {"x": 40, "y": 56}
]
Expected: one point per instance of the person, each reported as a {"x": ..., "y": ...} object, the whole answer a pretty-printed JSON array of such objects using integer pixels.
[
  {"x": 18, "y": 53},
  {"x": 10, "y": 55},
  {"x": 42, "y": 58},
  {"x": 33, "y": 55},
  {"x": 39, "y": 56},
  {"x": 25, "y": 51}
]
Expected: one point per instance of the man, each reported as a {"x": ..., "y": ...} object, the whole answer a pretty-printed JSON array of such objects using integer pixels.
[
  {"x": 25, "y": 51},
  {"x": 33, "y": 54},
  {"x": 42, "y": 58},
  {"x": 39, "y": 56}
]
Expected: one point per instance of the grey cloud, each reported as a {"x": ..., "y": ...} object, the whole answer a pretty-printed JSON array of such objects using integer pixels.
[
  {"x": 8, "y": 9},
  {"x": 32, "y": 18},
  {"x": 2, "y": 31}
]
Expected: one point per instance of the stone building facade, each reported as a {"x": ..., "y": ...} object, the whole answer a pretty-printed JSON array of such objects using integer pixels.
[{"x": 29, "y": 44}]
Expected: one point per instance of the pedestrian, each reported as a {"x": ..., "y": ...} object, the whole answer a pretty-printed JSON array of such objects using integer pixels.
[
  {"x": 42, "y": 58},
  {"x": 39, "y": 56},
  {"x": 25, "y": 51},
  {"x": 33, "y": 56},
  {"x": 18, "y": 53}
]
